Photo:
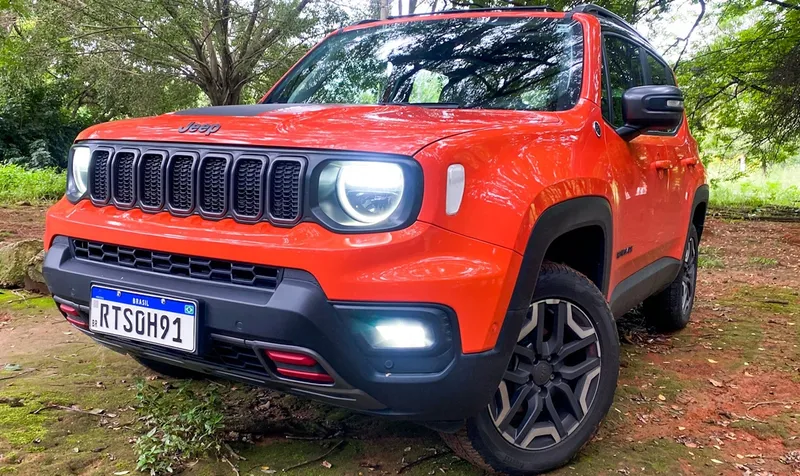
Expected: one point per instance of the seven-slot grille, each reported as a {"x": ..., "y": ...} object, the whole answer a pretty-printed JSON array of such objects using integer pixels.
[
  {"x": 214, "y": 185},
  {"x": 265, "y": 277}
]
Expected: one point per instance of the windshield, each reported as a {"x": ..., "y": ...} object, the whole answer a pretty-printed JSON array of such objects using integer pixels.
[{"x": 489, "y": 62}]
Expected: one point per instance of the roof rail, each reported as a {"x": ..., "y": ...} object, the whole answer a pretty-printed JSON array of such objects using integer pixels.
[
  {"x": 539, "y": 8},
  {"x": 601, "y": 12}
]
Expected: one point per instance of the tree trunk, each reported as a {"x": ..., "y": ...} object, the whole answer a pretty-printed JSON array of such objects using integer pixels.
[
  {"x": 412, "y": 6},
  {"x": 384, "y": 9}
]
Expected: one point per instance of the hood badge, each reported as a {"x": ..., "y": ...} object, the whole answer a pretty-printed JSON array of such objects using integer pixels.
[{"x": 194, "y": 127}]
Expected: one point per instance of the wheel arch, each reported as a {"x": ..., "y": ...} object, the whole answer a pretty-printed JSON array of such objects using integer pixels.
[
  {"x": 699, "y": 209},
  {"x": 560, "y": 220}
]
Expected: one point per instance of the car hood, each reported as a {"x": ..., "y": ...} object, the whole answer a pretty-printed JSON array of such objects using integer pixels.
[{"x": 365, "y": 128}]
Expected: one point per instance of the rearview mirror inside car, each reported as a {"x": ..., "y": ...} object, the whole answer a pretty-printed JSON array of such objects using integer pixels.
[{"x": 650, "y": 108}]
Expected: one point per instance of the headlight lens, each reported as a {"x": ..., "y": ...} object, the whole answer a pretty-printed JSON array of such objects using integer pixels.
[
  {"x": 369, "y": 192},
  {"x": 366, "y": 194},
  {"x": 79, "y": 173}
]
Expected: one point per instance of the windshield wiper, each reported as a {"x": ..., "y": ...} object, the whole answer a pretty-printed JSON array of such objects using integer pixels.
[{"x": 442, "y": 105}]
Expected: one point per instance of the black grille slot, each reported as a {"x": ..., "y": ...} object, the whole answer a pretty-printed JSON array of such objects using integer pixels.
[
  {"x": 285, "y": 190},
  {"x": 235, "y": 357},
  {"x": 123, "y": 189},
  {"x": 181, "y": 183},
  {"x": 212, "y": 185},
  {"x": 259, "y": 276},
  {"x": 248, "y": 188},
  {"x": 151, "y": 170},
  {"x": 99, "y": 178}
]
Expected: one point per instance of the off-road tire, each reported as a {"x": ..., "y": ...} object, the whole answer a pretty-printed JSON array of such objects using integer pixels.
[
  {"x": 670, "y": 310},
  {"x": 480, "y": 441},
  {"x": 171, "y": 371}
]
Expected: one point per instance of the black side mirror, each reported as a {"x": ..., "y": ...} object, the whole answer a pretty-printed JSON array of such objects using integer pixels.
[{"x": 646, "y": 108}]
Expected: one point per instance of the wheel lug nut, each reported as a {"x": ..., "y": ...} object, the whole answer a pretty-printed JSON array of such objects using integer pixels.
[{"x": 552, "y": 377}]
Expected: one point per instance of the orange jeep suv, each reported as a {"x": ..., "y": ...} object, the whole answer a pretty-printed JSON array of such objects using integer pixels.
[{"x": 434, "y": 217}]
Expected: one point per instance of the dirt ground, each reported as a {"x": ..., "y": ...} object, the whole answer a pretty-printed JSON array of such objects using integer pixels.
[
  {"x": 21, "y": 222},
  {"x": 721, "y": 397}
]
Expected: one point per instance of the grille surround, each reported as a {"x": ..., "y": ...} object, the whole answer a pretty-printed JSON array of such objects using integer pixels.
[
  {"x": 213, "y": 185},
  {"x": 123, "y": 178},
  {"x": 100, "y": 165},
  {"x": 179, "y": 265},
  {"x": 145, "y": 172},
  {"x": 182, "y": 188},
  {"x": 286, "y": 169},
  {"x": 252, "y": 194}
]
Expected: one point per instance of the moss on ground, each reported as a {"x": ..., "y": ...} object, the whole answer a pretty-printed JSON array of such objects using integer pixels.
[{"x": 658, "y": 456}]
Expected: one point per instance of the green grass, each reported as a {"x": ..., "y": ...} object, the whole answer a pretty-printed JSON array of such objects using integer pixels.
[
  {"x": 763, "y": 262},
  {"x": 18, "y": 184},
  {"x": 781, "y": 187},
  {"x": 709, "y": 258}
]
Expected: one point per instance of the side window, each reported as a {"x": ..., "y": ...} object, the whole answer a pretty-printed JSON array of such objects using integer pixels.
[
  {"x": 624, "y": 72},
  {"x": 660, "y": 74}
]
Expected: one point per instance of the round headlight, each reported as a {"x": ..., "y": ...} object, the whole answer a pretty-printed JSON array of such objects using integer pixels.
[
  {"x": 81, "y": 156},
  {"x": 369, "y": 192}
]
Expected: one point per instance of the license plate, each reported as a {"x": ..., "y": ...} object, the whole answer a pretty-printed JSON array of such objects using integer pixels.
[{"x": 158, "y": 320}]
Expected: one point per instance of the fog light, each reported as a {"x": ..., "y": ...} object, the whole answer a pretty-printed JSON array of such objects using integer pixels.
[{"x": 400, "y": 334}]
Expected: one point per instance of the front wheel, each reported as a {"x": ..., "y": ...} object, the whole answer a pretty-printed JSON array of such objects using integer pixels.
[{"x": 558, "y": 386}]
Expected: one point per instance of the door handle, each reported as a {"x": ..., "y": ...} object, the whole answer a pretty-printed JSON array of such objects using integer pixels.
[
  {"x": 690, "y": 162},
  {"x": 662, "y": 164}
]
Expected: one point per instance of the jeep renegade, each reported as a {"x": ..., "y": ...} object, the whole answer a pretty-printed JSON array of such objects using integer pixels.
[{"x": 434, "y": 217}]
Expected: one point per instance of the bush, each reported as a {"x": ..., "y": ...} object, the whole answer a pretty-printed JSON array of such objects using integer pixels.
[{"x": 41, "y": 185}]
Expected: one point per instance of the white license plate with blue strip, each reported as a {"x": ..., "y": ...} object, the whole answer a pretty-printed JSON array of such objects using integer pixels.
[{"x": 147, "y": 318}]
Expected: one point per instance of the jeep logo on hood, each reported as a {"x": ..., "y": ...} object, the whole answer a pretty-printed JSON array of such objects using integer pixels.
[{"x": 194, "y": 127}]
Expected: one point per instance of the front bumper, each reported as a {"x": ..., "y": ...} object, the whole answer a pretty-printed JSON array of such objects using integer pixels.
[{"x": 297, "y": 316}]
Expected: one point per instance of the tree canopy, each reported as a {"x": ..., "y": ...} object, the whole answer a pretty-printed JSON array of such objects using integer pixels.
[{"x": 66, "y": 64}]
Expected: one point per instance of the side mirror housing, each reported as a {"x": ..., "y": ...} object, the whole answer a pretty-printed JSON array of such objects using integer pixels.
[{"x": 646, "y": 108}]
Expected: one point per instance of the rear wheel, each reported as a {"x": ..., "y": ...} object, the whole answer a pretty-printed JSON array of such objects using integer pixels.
[
  {"x": 558, "y": 386},
  {"x": 671, "y": 309}
]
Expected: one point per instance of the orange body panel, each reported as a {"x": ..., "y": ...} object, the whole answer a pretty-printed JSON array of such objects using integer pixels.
[{"x": 518, "y": 164}]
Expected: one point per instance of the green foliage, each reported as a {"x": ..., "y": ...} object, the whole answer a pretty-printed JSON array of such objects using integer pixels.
[
  {"x": 780, "y": 187},
  {"x": 18, "y": 184},
  {"x": 743, "y": 89},
  {"x": 181, "y": 424}
]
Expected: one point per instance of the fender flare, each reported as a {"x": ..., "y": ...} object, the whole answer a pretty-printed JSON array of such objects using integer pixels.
[
  {"x": 555, "y": 221},
  {"x": 700, "y": 198}
]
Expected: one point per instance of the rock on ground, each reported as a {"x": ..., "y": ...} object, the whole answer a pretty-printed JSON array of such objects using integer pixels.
[
  {"x": 15, "y": 259},
  {"x": 34, "y": 279}
]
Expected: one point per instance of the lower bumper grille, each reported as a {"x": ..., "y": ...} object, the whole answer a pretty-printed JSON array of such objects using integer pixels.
[
  {"x": 264, "y": 277},
  {"x": 235, "y": 357}
]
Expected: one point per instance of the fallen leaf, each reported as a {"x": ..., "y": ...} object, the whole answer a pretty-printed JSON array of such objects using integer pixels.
[
  {"x": 681, "y": 428},
  {"x": 715, "y": 383},
  {"x": 121, "y": 473},
  {"x": 662, "y": 398},
  {"x": 716, "y": 461},
  {"x": 712, "y": 361}
]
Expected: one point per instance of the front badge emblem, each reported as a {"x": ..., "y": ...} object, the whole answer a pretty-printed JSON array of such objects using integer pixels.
[{"x": 194, "y": 127}]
